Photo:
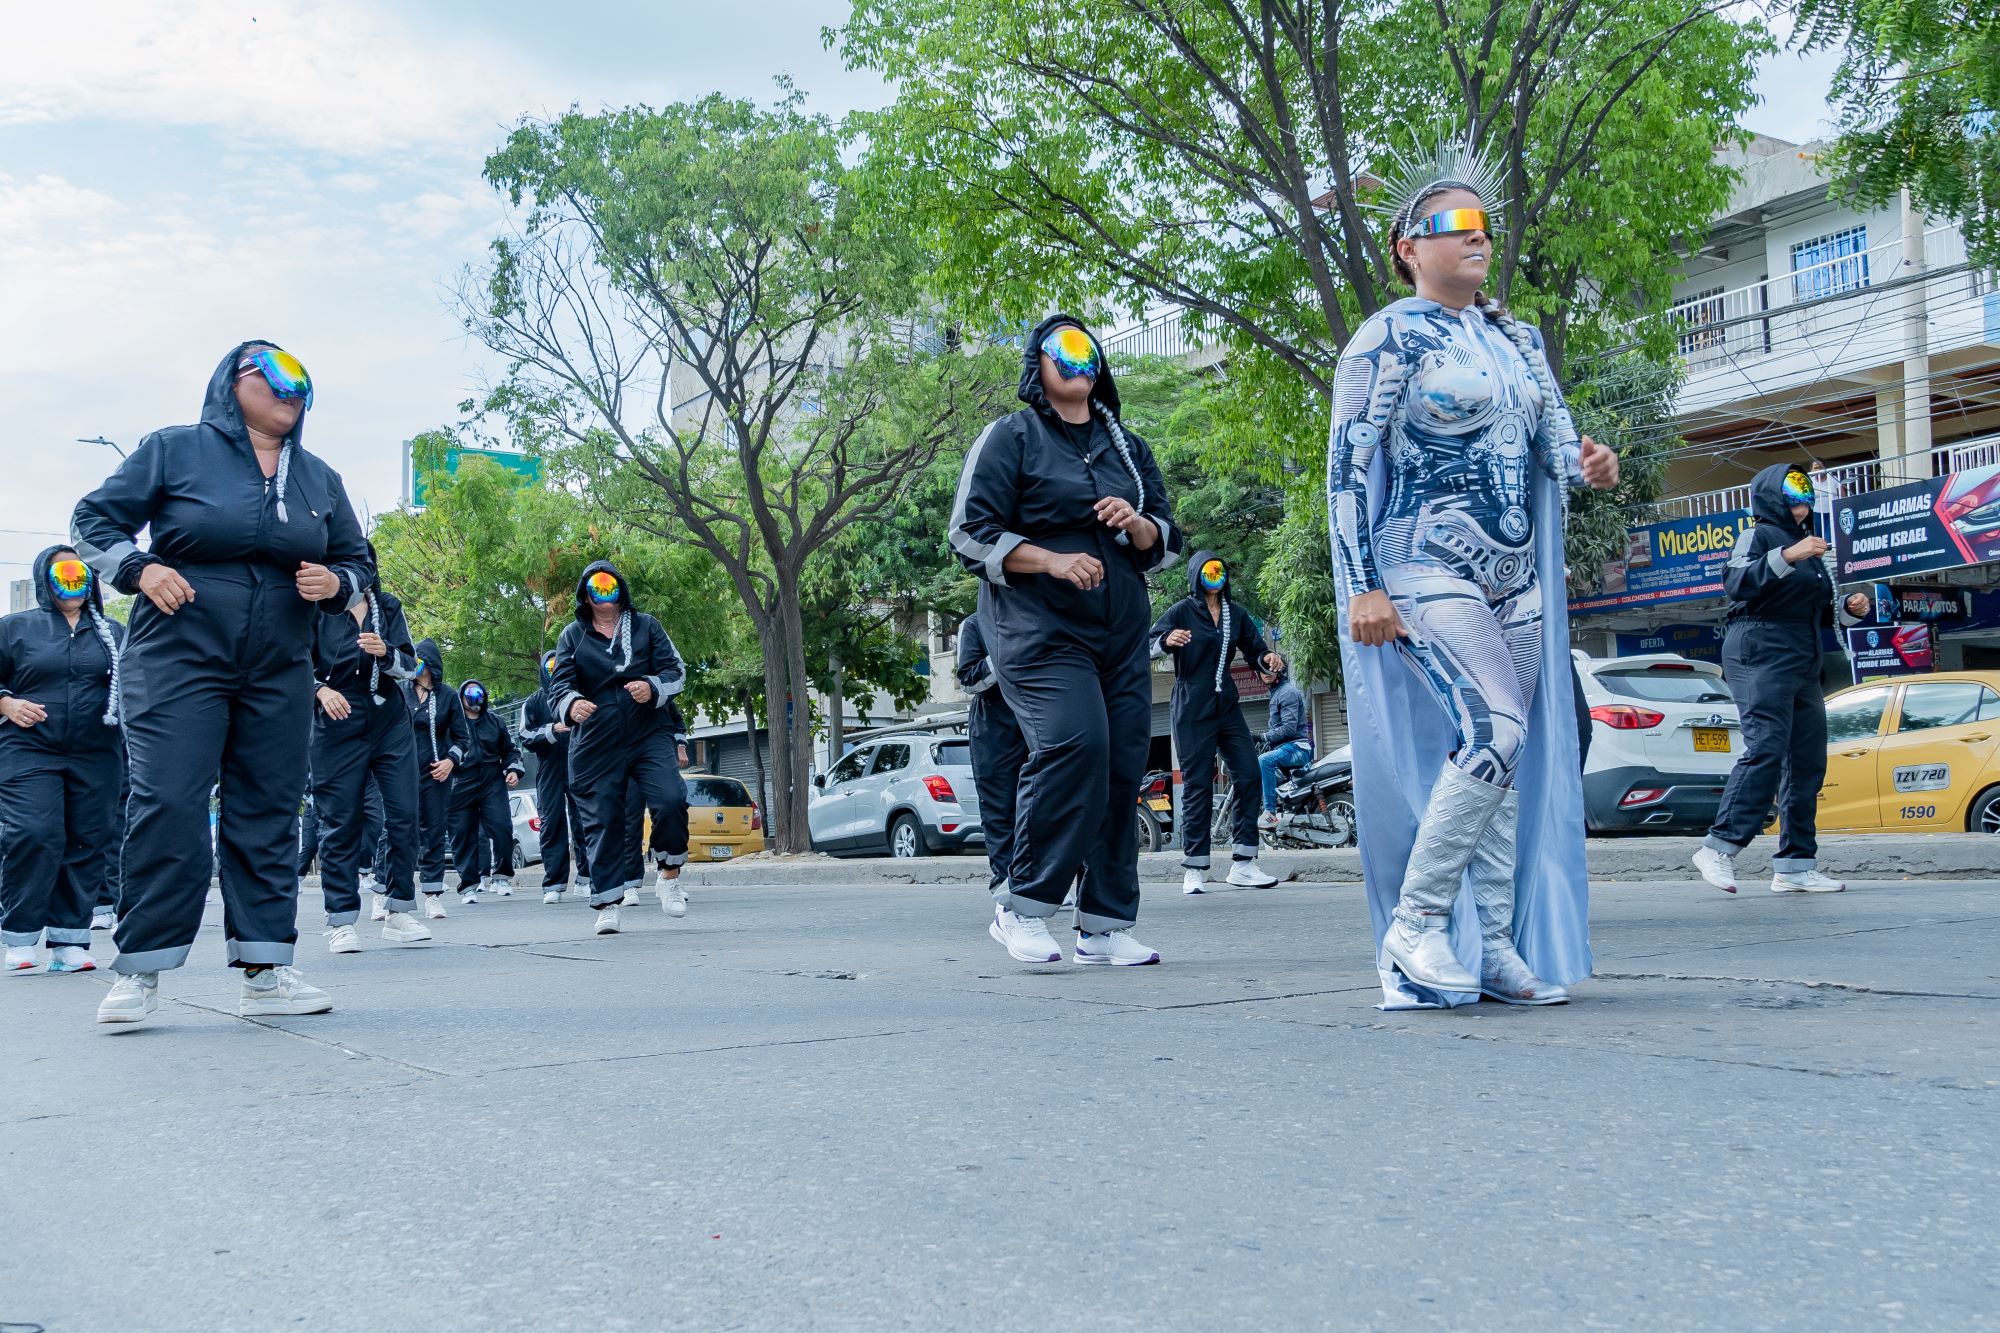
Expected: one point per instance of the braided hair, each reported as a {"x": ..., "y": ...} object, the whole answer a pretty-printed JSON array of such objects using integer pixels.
[{"x": 103, "y": 628}]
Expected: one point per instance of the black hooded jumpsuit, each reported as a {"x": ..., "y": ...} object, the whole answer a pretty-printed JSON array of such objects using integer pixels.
[
  {"x": 438, "y": 729},
  {"x": 59, "y": 825},
  {"x": 372, "y": 742},
  {"x": 624, "y": 741},
  {"x": 223, "y": 685},
  {"x": 1207, "y": 717},
  {"x": 1771, "y": 659},
  {"x": 482, "y": 829},
  {"x": 552, "y": 801},
  {"x": 998, "y": 753},
  {"x": 1071, "y": 663}
]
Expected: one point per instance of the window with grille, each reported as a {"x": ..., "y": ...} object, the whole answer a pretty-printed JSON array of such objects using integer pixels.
[
  {"x": 1701, "y": 317},
  {"x": 1830, "y": 264}
]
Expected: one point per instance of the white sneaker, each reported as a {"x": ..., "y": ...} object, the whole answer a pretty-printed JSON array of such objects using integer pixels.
[
  {"x": 434, "y": 906},
  {"x": 1115, "y": 948},
  {"x": 1268, "y": 820},
  {"x": 104, "y": 919},
  {"x": 1194, "y": 881},
  {"x": 132, "y": 997},
  {"x": 1026, "y": 938},
  {"x": 1250, "y": 875},
  {"x": 607, "y": 920},
  {"x": 673, "y": 898},
  {"x": 368, "y": 884},
  {"x": 631, "y": 898},
  {"x": 1718, "y": 868},
  {"x": 343, "y": 939},
  {"x": 552, "y": 897},
  {"x": 21, "y": 958},
  {"x": 71, "y": 958},
  {"x": 1810, "y": 881},
  {"x": 470, "y": 897},
  {"x": 379, "y": 911},
  {"x": 503, "y": 888},
  {"x": 280, "y": 992},
  {"x": 405, "y": 929}
]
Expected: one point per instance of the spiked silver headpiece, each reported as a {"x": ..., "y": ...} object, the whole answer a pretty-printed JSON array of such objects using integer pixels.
[{"x": 1452, "y": 162}]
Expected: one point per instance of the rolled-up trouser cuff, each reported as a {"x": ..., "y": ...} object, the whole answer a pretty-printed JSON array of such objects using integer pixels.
[
  {"x": 151, "y": 960},
  {"x": 402, "y": 904},
  {"x": 1715, "y": 844},
  {"x": 335, "y": 920},
  {"x": 26, "y": 939},
  {"x": 581, "y": 886},
  {"x": 1194, "y": 862},
  {"x": 1241, "y": 853},
  {"x": 607, "y": 897},
  {"x": 1784, "y": 865},
  {"x": 1097, "y": 925},
  {"x": 672, "y": 860},
  {"x": 64, "y": 935},
  {"x": 259, "y": 953},
  {"x": 1032, "y": 907},
  {"x": 434, "y": 889}
]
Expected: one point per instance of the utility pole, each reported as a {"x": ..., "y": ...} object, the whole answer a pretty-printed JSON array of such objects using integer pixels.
[{"x": 1916, "y": 413}]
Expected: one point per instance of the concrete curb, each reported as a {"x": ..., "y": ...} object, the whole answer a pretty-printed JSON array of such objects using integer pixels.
[{"x": 1855, "y": 856}]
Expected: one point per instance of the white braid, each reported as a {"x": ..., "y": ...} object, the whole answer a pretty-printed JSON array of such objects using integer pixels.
[
  {"x": 284, "y": 475},
  {"x": 1124, "y": 447},
  {"x": 1222, "y": 658},
  {"x": 624, "y": 637},
  {"x": 433, "y": 720},
  {"x": 375, "y": 670},
  {"x": 103, "y": 628}
]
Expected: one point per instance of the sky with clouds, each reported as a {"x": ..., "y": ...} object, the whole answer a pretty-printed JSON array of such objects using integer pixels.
[{"x": 175, "y": 178}]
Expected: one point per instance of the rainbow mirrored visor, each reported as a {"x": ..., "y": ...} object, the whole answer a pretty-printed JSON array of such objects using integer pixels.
[
  {"x": 473, "y": 694},
  {"x": 1798, "y": 488},
  {"x": 69, "y": 578},
  {"x": 282, "y": 371},
  {"x": 603, "y": 587},
  {"x": 1073, "y": 352},
  {"x": 549, "y": 663},
  {"x": 1450, "y": 221},
  {"x": 1214, "y": 574}
]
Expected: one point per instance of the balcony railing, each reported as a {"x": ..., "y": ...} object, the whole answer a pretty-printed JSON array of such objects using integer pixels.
[
  {"x": 1868, "y": 474},
  {"x": 1169, "y": 333}
]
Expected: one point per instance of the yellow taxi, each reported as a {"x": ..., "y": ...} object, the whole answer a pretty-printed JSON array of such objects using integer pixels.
[
  {"x": 1921, "y": 753},
  {"x": 723, "y": 821}
]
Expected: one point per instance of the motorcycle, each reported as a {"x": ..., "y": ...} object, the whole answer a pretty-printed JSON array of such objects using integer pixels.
[
  {"x": 1156, "y": 811},
  {"x": 1316, "y": 804}
]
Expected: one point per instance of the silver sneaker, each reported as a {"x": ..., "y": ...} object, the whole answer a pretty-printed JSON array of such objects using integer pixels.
[{"x": 132, "y": 999}]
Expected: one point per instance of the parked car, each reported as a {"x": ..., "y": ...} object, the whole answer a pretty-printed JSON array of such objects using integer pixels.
[
  {"x": 907, "y": 794},
  {"x": 527, "y": 827},
  {"x": 723, "y": 820},
  {"x": 1917, "y": 754},
  {"x": 1664, "y": 735}
]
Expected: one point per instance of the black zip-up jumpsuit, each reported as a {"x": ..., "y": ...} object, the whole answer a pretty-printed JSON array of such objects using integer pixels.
[
  {"x": 225, "y": 683},
  {"x": 59, "y": 814},
  {"x": 438, "y": 728},
  {"x": 624, "y": 741},
  {"x": 1207, "y": 716},
  {"x": 372, "y": 742},
  {"x": 560, "y": 843},
  {"x": 1771, "y": 659},
  {"x": 998, "y": 753},
  {"x": 1071, "y": 663},
  {"x": 482, "y": 830}
]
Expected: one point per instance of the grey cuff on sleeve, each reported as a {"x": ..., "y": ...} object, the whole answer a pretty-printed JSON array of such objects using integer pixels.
[
  {"x": 1165, "y": 546},
  {"x": 457, "y": 753},
  {"x": 996, "y": 559},
  {"x": 563, "y": 705},
  {"x": 1776, "y": 560}
]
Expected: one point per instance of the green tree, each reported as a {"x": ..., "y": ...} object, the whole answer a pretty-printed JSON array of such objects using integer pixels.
[
  {"x": 1917, "y": 95},
  {"x": 724, "y": 344},
  {"x": 1626, "y": 403}
]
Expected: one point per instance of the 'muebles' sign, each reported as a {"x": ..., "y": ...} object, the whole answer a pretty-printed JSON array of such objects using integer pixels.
[{"x": 1668, "y": 562}]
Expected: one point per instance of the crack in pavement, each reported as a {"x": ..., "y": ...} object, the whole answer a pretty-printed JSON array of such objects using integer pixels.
[
  {"x": 1850, "y": 986},
  {"x": 308, "y": 1037},
  {"x": 1819, "y": 935}
]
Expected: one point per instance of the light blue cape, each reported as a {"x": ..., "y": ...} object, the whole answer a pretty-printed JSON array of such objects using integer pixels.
[{"x": 1402, "y": 737}]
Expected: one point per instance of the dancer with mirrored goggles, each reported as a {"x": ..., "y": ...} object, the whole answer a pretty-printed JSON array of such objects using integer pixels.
[
  {"x": 547, "y": 736},
  {"x": 253, "y": 538},
  {"x": 1450, "y": 451},
  {"x": 60, "y": 761},
  {"x": 482, "y": 827},
  {"x": 1061, "y": 512},
  {"x": 442, "y": 738}
]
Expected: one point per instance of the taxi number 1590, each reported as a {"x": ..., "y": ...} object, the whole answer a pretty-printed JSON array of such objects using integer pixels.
[{"x": 1920, "y": 812}]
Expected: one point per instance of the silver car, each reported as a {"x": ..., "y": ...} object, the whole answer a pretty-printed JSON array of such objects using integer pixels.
[
  {"x": 527, "y": 827},
  {"x": 907, "y": 795}
]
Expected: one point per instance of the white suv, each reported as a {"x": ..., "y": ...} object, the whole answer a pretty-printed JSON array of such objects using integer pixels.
[
  {"x": 1663, "y": 736},
  {"x": 907, "y": 795}
]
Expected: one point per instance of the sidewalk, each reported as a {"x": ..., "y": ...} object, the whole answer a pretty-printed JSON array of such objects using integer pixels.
[{"x": 1612, "y": 860}]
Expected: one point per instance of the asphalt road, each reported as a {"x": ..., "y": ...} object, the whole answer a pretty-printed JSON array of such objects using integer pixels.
[{"x": 843, "y": 1107}]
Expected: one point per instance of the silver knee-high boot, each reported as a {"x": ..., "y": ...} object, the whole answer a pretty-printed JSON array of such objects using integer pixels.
[
  {"x": 1503, "y": 976},
  {"x": 1419, "y": 940}
]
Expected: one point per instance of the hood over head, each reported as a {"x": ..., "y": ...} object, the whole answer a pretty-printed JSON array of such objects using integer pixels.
[
  {"x": 1106, "y": 389},
  {"x": 219, "y": 407},
  {"x": 433, "y": 661},
  {"x": 45, "y": 596},
  {"x": 542, "y": 664},
  {"x": 1768, "y": 502},
  {"x": 583, "y": 602},
  {"x": 485, "y": 695},
  {"x": 1194, "y": 564}
]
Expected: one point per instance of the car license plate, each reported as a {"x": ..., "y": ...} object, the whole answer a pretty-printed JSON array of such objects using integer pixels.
[
  {"x": 721, "y": 853},
  {"x": 1711, "y": 740}
]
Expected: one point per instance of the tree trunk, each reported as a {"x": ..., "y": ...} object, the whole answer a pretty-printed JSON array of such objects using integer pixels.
[
  {"x": 756, "y": 752},
  {"x": 836, "y": 713}
]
